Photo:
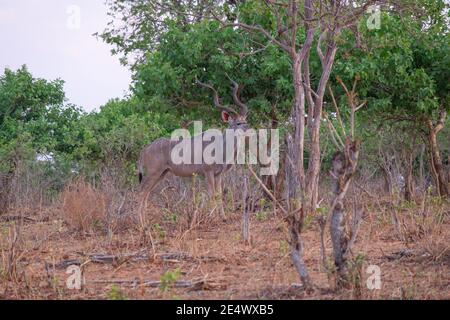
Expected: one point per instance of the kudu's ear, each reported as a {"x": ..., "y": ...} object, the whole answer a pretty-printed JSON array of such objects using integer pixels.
[{"x": 225, "y": 116}]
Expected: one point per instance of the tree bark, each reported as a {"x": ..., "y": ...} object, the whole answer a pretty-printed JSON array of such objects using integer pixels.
[
  {"x": 343, "y": 168},
  {"x": 315, "y": 113},
  {"x": 6, "y": 182},
  {"x": 436, "y": 164},
  {"x": 388, "y": 185},
  {"x": 275, "y": 182},
  {"x": 296, "y": 248},
  {"x": 409, "y": 179},
  {"x": 4, "y": 191},
  {"x": 422, "y": 167},
  {"x": 298, "y": 117},
  {"x": 245, "y": 214},
  {"x": 295, "y": 177}
]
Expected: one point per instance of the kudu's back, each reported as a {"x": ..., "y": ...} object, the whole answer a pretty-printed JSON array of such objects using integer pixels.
[{"x": 156, "y": 159}]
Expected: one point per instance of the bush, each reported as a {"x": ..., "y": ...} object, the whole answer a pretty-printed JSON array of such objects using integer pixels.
[{"x": 83, "y": 208}]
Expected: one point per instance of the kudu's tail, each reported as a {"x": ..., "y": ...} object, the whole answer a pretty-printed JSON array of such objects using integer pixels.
[{"x": 140, "y": 171}]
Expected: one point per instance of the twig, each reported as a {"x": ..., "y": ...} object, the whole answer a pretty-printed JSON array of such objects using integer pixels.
[{"x": 271, "y": 196}]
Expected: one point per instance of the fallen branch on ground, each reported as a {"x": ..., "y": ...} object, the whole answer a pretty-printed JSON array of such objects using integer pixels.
[
  {"x": 16, "y": 218},
  {"x": 193, "y": 285},
  {"x": 138, "y": 256}
]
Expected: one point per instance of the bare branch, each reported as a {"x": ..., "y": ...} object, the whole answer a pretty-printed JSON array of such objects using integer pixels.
[
  {"x": 336, "y": 108},
  {"x": 333, "y": 133},
  {"x": 441, "y": 122},
  {"x": 260, "y": 29},
  {"x": 319, "y": 49},
  {"x": 267, "y": 191}
]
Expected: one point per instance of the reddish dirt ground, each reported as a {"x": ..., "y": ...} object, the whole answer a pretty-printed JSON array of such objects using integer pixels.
[{"x": 220, "y": 264}]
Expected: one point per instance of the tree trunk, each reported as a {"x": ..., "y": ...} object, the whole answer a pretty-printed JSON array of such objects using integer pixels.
[
  {"x": 4, "y": 191},
  {"x": 315, "y": 113},
  {"x": 436, "y": 164},
  {"x": 295, "y": 178},
  {"x": 245, "y": 214},
  {"x": 313, "y": 168},
  {"x": 409, "y": 179},
  {"x": 298, "y": 116},
  {"x": 6, "y": 182},
  {"x": 343, "y": 168},
  {"x": 296, "y": 247},
  {"x": 422, "y": 167},
  {"x": 388, "y": 185},
  {"x": 275, "y": 183}
]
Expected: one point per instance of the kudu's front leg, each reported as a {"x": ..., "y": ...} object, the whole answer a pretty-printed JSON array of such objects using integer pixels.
[{"x": 214, "y": 185}]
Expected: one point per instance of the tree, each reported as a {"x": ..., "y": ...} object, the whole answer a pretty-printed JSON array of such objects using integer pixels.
[
  {"x": 404, "y": 70},
  {"x": 33, "y": 120},
  {"x": 143, "y": 22},
  {"x": 209, "y": 53}
]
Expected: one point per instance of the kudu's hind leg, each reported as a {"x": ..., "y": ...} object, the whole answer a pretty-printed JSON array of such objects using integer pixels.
[
  {"x": 150, "y": 180},
  {"x": 210, "y": 184}
]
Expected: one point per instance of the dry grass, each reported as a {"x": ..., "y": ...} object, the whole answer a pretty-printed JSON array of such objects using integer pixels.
[
  {"x": 414, "y": 261},
  {"x": 83, "y": 208}
]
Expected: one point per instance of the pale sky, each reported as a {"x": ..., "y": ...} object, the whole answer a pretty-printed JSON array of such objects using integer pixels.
[{"x": 54, "y": 39}]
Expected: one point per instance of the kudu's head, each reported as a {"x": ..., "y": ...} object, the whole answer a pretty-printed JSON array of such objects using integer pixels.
[{"x": 235, "y": 119}]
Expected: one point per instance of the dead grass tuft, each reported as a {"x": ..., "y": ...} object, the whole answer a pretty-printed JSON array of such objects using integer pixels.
[{"x": 83, "y": 208}]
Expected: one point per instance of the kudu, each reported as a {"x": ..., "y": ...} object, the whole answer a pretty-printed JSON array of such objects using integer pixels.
[{"x": 155, "y": 160}]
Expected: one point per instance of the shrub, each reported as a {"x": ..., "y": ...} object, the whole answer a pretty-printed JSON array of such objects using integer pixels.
[{"x": 83, "y": 208}]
